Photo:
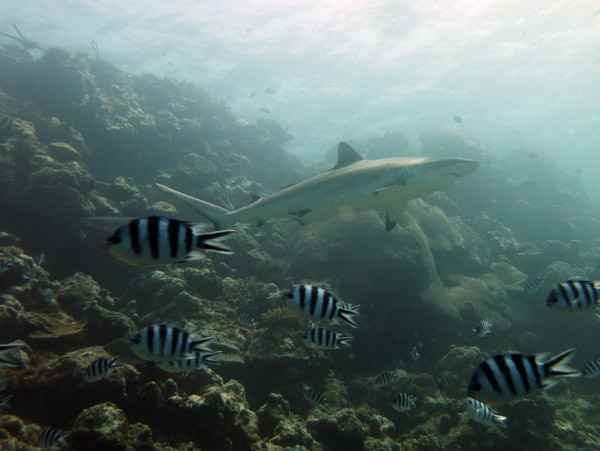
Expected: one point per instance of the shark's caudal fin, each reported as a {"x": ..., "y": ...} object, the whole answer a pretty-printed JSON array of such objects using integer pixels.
[{"x": 215, "y": 214}]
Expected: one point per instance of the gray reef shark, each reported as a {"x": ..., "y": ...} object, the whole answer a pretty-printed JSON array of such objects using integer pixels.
[{"x": 352, "y": 184}]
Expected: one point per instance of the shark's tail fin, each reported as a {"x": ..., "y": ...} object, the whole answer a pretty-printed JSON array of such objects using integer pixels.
[{"x": 216, "y": 215}]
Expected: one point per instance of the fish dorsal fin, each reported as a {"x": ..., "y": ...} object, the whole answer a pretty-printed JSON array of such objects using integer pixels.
[{"x": 346, "y": 156}]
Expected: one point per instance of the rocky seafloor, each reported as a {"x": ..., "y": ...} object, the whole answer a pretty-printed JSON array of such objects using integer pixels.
[{"x": 90, "y": 140}]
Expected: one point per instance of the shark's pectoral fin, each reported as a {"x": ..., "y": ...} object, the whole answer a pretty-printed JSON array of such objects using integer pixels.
[
  {"x": 300, "y": 213},
  {"x": 393, "y": 214}
]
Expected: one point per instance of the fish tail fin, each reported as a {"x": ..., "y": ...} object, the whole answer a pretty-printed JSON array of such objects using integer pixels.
[
  {"x": 215, "y": 214},
  {"x": 557, "y": 365},
  {"x": 344, "y": 341},
  {"x": 499, "y": 420},
  {"x": 212, "y": 241},
  {"x": 113, "y": 363},
  {"x": 4, "y": 401},
  {"x": 196, "y": 343},
  {"x": 207, "y": 359},
  {"x": 347, "y": 311}
]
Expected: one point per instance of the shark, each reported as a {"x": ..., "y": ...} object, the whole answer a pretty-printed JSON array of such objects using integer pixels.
[{"x": 354, "y": 183}]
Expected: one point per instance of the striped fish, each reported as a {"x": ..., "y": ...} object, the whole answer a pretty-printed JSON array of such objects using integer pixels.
[
  {"x": 592, "y": 369},
  {"x": 4, "y": 402},
  {"x": 532, "y": 284},
  {"x": 315, "y": 397},
  {"x": 6, "y": 123},
  {"x": 483, "y": 414},
  {"x": 246, "y": 320},
  {"x": 320, "y": 338},
  {"x": 574, "y": 296},
  {"x": 5, "y": 361},
  {"x": 507, "y": 377},
  {"x": 100, "y": 368},
  {"x": 484, "y": 327},
  {"x": 157, "y": 240},
  {"x": 403, "y": 402},
  {"x": 160, "y": 343},
  {"x": 384, "y": 379},
  {"x": 191, "y": 364},
  {"x": 318, "y": 303},
  {"x": 49, "y": 437}
]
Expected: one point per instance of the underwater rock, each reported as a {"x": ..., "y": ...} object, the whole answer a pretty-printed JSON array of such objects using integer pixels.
[
  {"x": 272, "y": 413},
  {"x": 63, "y": 152},
  {"x": 456, "y": 368},
  {"x": 340, "y": 431}
]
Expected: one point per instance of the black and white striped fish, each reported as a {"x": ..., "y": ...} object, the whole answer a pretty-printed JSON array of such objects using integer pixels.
[
  {"x": 6, "y": 123},
  {"x": 507, "y": 377},
  {"x": 481, "y": 413},
  {"x": 6, "y": 362},
  {"x": 160, "y": 343},
  {"x": 320, "y": 338},
  {"x": 403, "y": 402},
  {"x": 49, "y": 437},
  {"x": 318, "y": 303},
  {"x": 484, "y": 327},
  {"x": 315, "y": 397},
  {"x": 246, "y": 320},
  {"x": 532, "y": 284},
  {"x": 4, "y": 402},
  {"x": 191, "y": 364},
  {"x": 384, "y": 379},
  {"x": 592, "y": 369},
  {"x": 157, "y": 240},
  {"x": 100, "y": 368},
  {"x": 574, "y": 296}
]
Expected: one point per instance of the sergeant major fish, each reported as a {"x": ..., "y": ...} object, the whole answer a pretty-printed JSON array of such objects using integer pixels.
[
  {"x": 100, "y": 368},
  {"x": 484, "y": 328},
  {"x": 157, "y": 240},
  {"x": 49, "y": 437},
  {"x": 315, "y": 397},
  {"x": 320, "y": 338},
  {"x": 403, "y": 402},
  {"x": 507, "y": 377},
  {"x": 574, "y": 296},
  {"x": 532, "y": 284},
  {"x": 481, "y": 413},
  {"x": 189, "y": 364},
  {"x": 414, "y": 353},
  {"x": 592, "y": 369},
  {"x": 384, "y": 379},
  {"x": 246, "y": 320},
  {"x": 318, "y": 303},
  {"x": 161, "y": 343}
]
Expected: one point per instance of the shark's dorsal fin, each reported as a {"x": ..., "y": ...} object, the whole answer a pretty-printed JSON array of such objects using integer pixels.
[{"x": 346, "y": 156}]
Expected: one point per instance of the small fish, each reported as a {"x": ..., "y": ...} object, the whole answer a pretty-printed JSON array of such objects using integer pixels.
[
  {"x": 574, "y": 296},
  {"x": 384, "y": 379},
  {"x": 191, "y": 364},
  {"x": 4, "y": 402},
  {"x": 6, "y": 123},
  {"x": 100, "y": 368},
  {"x": 484, "y": 327},
  {"x": 50, "y": 437},
  {"x": 246, "y": 320},
  {"x": 414, "y": 353},
  {"x": 5, "y": 265},
  {"x": 5, "y": 361},
  {"x": 403, "y": 402},
  {"x": 532, "y": 284},
  {"x": 48, "y": 294},
  {"x": 315, "y": 397},
  {"x": 457, "y": 119},
  {"x": 317, "y": 303},
  {"x": 264, "y": 110},
  {"x": 39, "y": 259},
  {"x": 3, "y": 381},
  {"x": 320, "y": 338},
  {"x": 481, "y": 413},
  {"x": 252, "y": 94},
  {"x": 156, "y": 240},
  {"x": 161, "y": 343},
  {"x": 507, "y": 377},
  {"x": 592, "y": 369}
]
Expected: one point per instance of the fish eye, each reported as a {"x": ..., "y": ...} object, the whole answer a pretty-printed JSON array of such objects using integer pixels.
[
  {"x": 289, "y": 295},
  {"x": 115, "y": 239},
  {"x": 475, "y": 386},
  {"x": 135, "y": 340}
]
